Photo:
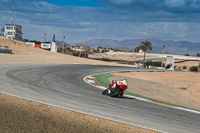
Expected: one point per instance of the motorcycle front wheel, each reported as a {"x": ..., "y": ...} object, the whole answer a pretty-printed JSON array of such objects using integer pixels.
[{"x": 104, "y": 92}]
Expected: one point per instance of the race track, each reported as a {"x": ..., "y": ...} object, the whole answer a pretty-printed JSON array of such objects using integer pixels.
[{"x": 63, "y": 86}]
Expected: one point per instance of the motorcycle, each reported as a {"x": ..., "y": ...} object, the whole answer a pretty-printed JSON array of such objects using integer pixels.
[
  {"x": 113, "y": 92},
  {"x": 168, "y": 66}
]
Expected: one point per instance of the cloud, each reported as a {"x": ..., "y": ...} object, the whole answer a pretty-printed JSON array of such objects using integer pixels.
[
  {"x": 4, "y": 0},
  {"x": 175, "y": 3},
  {"x": 121, "y": 2},
  {"x": 120, "y": 19},
  {"x": 183, "y": 3},
  {"x": 175, "y": 6}
]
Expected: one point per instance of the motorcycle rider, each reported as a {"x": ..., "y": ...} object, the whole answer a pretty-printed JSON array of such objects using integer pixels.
[
  {"x": 169, "y": 64},
  {"x": 122, "y": 84},
  {"x": 113, "y": 84}
]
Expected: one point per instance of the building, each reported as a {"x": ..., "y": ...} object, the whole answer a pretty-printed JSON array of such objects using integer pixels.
[
  {"x": 12, "y": 31},
  {"x": 53, "y": 47},
  {"x": 140, "y": 51},
  {"x": 77, "y": 49}
]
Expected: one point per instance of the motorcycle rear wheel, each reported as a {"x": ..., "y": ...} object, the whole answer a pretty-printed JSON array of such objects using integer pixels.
[{"x": 115, "y": 92}]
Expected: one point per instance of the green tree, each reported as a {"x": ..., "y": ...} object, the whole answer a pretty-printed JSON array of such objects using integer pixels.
[
  {"x": 184, "y": 67},
  {"x": 186, "y": 55},
  {"x": 145, "y": 45},
  {"x": 26, "y": 40},
  {"x": 194, "y": 68},
  {"x": 137, "y": 49}
]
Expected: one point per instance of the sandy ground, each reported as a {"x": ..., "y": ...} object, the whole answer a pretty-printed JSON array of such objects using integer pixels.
[
  {"x": 180, "y": 88},
  {"x": 21, "y": 116},
  {"x": 187, "y": 63}
]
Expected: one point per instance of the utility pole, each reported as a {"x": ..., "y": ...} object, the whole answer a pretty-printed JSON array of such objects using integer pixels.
[
  {"x": 188, "y": 51},
  {"x": 63, "y": 45},
  {"x": 133, "y": 46},
  {"x": 13, "y": 12},
  {"x": 86, "y": 45},
  {"x": 163, "y": 55},
  {"x": 45, "y": 37}
]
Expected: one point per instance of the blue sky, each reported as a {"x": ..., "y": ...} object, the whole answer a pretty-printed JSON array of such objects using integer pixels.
[
  {"x": 105, "y": 19},
  {"x": 90, "y": 3}
]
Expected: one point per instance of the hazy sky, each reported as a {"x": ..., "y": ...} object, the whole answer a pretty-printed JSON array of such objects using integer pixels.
[{"x": 105, "y": 19}]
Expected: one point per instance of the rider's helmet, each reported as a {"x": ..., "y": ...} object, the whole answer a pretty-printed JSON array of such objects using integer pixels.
[{"x": 125, "y": 80}]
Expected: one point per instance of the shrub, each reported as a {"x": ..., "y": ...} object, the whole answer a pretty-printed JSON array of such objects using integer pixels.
[
  {"x": 186, "y": 54},
  {"x": 157, "y": 64},
  {"x": 148, "y": 63},
  {"x": 184, "y": 67},
  {"x": 183, "y": 88},
  {"x": 194, "y": 69},
  {"x": 106, "y": 59}
]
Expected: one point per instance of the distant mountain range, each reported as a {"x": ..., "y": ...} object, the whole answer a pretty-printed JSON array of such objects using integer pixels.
[
  {"x": 60, "y": 43},
  {"x": 171, "y": 47}
]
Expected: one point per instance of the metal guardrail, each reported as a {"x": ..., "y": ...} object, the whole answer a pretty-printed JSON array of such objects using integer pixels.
[{"x": 5, "y": 50}]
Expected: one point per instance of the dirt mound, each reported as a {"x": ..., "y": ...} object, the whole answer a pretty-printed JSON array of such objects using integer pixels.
[
  {"x": 21, "y": 48},
  {"x": 24, "y": 53}
]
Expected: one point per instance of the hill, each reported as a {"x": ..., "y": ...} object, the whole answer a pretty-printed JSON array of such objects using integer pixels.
[
  {"x": 171, "y": 47},
  {"x": 23, "y": 53}
]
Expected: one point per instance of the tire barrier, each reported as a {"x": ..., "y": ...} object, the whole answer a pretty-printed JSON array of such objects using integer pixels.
[
  {"x": 84, "y": 55},
  {"x": 5, "y": 50}
]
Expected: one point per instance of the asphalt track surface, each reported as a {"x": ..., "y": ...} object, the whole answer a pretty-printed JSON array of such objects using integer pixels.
[{"x": 63, "y": 86}]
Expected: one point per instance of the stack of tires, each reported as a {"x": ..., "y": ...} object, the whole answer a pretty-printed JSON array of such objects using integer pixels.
[{"x": 5, "y": 50}]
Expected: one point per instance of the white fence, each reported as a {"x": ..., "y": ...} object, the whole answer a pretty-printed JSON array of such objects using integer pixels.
[{"x": 156, "y": 55}]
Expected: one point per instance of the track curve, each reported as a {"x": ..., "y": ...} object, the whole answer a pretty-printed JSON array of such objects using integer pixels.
[{"x": 62, "y": 86}]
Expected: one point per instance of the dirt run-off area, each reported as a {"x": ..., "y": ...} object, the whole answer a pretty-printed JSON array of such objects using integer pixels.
[
  {"x": 179, "y": 88},
  {"x": 17, "y": 115}
]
